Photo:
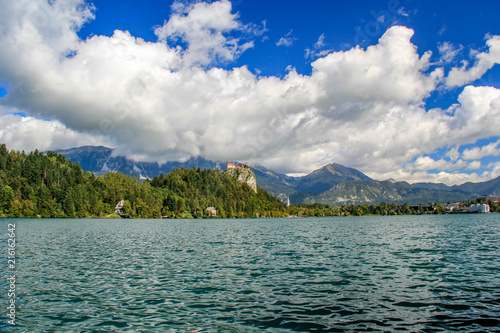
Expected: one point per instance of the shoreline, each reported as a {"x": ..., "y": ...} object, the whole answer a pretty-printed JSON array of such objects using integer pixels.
[{"x": 110, "y": 217}]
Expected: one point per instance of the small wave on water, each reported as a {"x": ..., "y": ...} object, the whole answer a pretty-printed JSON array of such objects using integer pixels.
[{"x": 409, "y": 273}]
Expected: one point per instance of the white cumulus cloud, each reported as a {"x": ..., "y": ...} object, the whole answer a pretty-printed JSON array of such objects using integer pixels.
[
  {"x": 364, "y": 108},
  {"x": 460, "y": 76},
  {"x": 476, "y": 153},
  {"x": 205, "y": 27},
  {"x": 28, "y": 133}
]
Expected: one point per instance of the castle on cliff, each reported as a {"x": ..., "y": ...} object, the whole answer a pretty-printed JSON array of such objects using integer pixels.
[
  {"x": 233, "y": 166},
  {"x": 244, "y": 173}
]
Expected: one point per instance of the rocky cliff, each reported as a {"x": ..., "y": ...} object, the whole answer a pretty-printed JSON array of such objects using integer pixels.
[
  {"x": 332, "y": 184},
  {"x": 244, "y": 174}
]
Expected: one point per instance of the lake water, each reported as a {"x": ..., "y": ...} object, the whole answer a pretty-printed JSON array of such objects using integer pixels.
[{"x": 402, "y": 273}]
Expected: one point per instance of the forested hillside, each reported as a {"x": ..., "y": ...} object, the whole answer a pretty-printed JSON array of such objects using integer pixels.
[
  {"x": 49, "y": 185},
  {"x": 200, "y": 189}
]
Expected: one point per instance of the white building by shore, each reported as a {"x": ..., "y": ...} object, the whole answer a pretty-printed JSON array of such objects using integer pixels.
[{"x": 479, "y": 208}]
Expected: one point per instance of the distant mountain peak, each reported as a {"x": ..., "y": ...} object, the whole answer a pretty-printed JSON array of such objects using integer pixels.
[
  {"x": 332, "y": 183},
  {"x": 328, "y": 176},
  {"x": 99, "y": 160}
]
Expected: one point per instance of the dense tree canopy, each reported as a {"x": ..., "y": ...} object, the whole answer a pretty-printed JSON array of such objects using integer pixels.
[
  {"x": 199, "y": 189},
  {"x": 49, "y": 185}
]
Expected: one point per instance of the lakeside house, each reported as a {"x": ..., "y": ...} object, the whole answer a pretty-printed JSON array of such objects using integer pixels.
[
  {"x": 449, "y": 208},
  {"x": 119, "y": 206},
  {"x": 212, "y": 211},
  {"x": 479, "y": 208}
]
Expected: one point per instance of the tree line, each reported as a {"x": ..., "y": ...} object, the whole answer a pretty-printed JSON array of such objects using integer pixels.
[
  {"x": 383, "y": 208},
  {"x": 49, "y": 185}
]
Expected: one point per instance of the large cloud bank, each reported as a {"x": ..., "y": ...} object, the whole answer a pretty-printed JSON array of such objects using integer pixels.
[{"x": 363, "y": 108}]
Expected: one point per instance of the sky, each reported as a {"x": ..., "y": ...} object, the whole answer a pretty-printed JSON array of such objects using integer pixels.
[{"x": 398, "y": 89}]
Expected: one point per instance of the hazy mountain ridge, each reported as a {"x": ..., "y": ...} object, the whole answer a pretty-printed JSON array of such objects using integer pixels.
[
  {"x": 491, "y": 187},
  {"x": 277, "y": 184},
  {"x": 325, "y": 178},
  {"x": 374, "y": 191},
  {"x": 100, "y": 160},
  {"x": 332, "y": 184}
]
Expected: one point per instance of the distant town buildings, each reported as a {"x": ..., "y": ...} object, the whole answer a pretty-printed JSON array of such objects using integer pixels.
[
  {"x": 449, "y": 208},
  {"x": 479, "y": 208},
  {"x": 455, "y": 208}
]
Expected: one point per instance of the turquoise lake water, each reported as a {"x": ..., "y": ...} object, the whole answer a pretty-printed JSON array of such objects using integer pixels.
[{"x": 384, "y": 274}]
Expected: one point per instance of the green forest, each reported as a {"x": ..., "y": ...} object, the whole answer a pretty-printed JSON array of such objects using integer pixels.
[{"x": 48, "y": 185}]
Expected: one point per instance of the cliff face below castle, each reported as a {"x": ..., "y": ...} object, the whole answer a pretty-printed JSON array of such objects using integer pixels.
[{"x": 245, "y": 175}]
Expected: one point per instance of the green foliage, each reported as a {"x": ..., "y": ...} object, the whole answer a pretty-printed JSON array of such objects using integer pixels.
[
  {"x": 383, "y": 208},
  {"x": 440, "y": 209},
  {"x": 494, "y": 206},
  {"x": 49, "y": 185},
  {"x": 188, "y": 192}
]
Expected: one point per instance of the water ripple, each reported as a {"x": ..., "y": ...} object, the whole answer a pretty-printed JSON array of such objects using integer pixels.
[{"x": 438, "y": 273}]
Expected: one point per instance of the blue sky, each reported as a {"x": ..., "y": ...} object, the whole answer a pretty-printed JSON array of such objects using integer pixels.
[
  {"x": 344, "y": 24},
  {"x": 397, "y": 89}
]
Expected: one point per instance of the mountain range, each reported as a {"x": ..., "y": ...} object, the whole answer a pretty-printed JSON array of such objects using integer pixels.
[{"x": 332, "y": 184}]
